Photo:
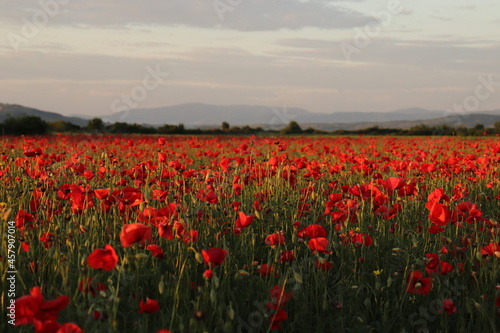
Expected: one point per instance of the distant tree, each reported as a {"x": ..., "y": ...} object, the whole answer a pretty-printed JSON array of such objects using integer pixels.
[
  {"x": 420, "y": 129},
  {"x": 478, "y": 129},
  {"x": 63, "y": 126},
  {"x": 25, "y": 125},
  {"x": 172, "y": 129},
  {"x": 225, "y": 126},
  {"x": 497, "y": 127},
  {"x": 95, "y": 125},
  {"x": 292, "y": 128}
]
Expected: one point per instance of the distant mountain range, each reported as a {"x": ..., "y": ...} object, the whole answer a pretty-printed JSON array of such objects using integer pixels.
[
  {"x": 14, "y": 110},
  {"x": 197, "y": 115}
]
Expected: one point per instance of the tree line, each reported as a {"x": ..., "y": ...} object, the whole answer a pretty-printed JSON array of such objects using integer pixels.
[{"x": 34, "y": 125}]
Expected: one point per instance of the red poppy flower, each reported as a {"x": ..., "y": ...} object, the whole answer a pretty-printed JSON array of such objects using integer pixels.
[
  {"x": 101, "y": 193},
  {"x": 85, "y": 285},
  {"x": 491, "y": 250},
  {"x": 150, "y": 306},
  {"x": 277, "y": 318},
  {"x": 436, "y": 196},
  {"x": 445, "y": 268},
  {"x": 434, "y": 229},
  {"x": 69, "y": 328},
  {"x": 135, "y": 233},
  {"x": 33, "y": 152},
  {"x": 440, "y": 214},
  {"x": 417, "y": 284},
  {"x": 34, "y": 309},
  {"x": 278, "y": 297},
  {"x": 362, "y": 239},
  {"x": 319, "y": 244},
  {"x": 449, "y": 307},
  {"x": 267, "y": 269},
  {"x": 103, "y": 258},
  {"x": 275, "y": 239},
  {"x": 258, "y": 207},
  {"x": 208, "y": 274},
  {"x": 244, "y": 220},
  {"x": 166, "y": 230},
  {"x": 211, "y": 197},
  {"x": 191, "y": 236},
  {"x": 287, "y": 256},
  {"x": 385, "y": 213},
  {"x": 303, "y": 209},
  {"x": 214, "y": 257},
  {"x": 393, "y": 183},
  {"x": 156, "y": 251},
  {"x": 323, "y": 265},
  {"x": 99, "y": 315},
  {"x": 47, "y": 239},
  {"x": 432, "y": 264},
  {"x": 25, "y": 246},
  {"x": 22, "y": 218},
  {"x": 312, "y": 231}
]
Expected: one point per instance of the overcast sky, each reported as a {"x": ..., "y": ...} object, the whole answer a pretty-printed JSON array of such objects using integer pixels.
[{"x": 96, "y": 57}]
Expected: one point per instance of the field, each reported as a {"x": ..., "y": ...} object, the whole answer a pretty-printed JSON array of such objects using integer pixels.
[{"x": 249, "y": 234}]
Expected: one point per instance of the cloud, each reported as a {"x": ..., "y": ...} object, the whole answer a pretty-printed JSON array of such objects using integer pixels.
[
  {"x": 246, "y": 15},
  {"x": 442, "y": 18},
  {"x": 445, "y": 54},
  {"x": 468, "y": 7},
  {"x": 34, "y": 65}
]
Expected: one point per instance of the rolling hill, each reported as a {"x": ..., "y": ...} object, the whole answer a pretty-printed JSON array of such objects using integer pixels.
[
  {"x": 14, "y": 110},
  {"x": 198, "y": 115}
]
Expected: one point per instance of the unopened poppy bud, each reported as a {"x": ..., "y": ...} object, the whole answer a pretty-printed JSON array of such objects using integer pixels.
[
  {"x": 198, "y": 257},
  {"x": 208, "y": 274},
  {"x": 243, "y": 272}
]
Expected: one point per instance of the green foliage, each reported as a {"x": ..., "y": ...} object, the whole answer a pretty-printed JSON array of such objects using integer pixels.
[
  {"x": 35, "y": 125},
  {"x": 26, "y": 125},
  {"x": 172, "y": 129},
  {"x": 123, "y": 128},
  {"x": 95, "y": 125},
  {"x": 497, "y": 127},
  {"x": 292, "y": 128},
  {"x": 63, "y": 126}
]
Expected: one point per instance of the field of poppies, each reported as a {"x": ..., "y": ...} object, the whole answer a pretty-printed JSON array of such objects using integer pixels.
[{"x": 249, "y": 234}]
